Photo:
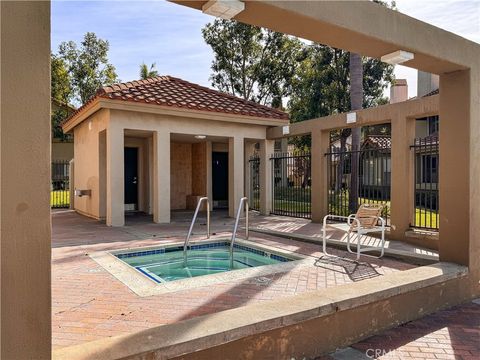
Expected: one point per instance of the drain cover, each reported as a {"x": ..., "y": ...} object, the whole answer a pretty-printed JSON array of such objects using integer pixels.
[{"x": 262, "y": 280}]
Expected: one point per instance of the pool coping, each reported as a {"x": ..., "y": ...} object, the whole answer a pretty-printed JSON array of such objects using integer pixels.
[
  {"x": 144, "y": 286},
  {"x": 251, "y": 321}
]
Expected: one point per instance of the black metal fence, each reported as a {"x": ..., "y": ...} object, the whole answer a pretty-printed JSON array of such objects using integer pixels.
[
  {"x": 254, "y": 196},
  {"x": 371, "y": 184},
  {"x": 291, "y": 188},
  {"x": 60, "y": 189},
  {"x": 426, "y": 169}
]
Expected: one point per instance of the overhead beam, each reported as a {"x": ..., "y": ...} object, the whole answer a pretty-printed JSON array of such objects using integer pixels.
[
  {"x": 362, "y": 27},
  {"x": 377, "y": 115}
]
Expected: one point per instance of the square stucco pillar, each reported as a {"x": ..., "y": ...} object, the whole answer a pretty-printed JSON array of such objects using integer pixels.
[
  {"x": 249, "y": 151},
  {"x": 459, "y": 238},
  {"x": 402, "y": 182},
  {"x": 25, "y": 224},
  {"x": 208, "y": 154},
  {"x": 266, "y": 149},
  {"x": 320, "y": 144},
  {"x": 115, "y": 176},
  {"x": 161, "y": 177},
  {"x": 235, "y": 173}
]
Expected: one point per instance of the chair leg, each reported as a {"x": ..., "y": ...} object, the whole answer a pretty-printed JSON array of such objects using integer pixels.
[{"x": 324, "y": 238}]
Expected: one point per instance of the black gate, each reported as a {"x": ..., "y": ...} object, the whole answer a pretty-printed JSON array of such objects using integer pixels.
[
  {"x": 254, "y": 196},
  {"x": 60, "y": 189},
  {"x": 372, "y": 183},
  {"x": 291, "y": 188},
  {"x": 426, "y": 210}
]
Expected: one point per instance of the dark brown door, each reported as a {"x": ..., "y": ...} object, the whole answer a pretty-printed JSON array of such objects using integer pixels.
[
  {"x": 220, "y": 178},
  {"x": 131, "y": 176}
]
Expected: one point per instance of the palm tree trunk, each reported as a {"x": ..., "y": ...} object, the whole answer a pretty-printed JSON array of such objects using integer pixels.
[{"x": 356, "y": 103}]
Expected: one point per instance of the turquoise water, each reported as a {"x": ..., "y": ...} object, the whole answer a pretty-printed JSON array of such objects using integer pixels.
[{"x": 168, "y": 264}]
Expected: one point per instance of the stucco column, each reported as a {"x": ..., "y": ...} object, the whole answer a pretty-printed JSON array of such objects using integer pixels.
[
  {"x": 459, "y": 170},
  {"x": 266, "y": 150},
  {"x": 320, "y": 144},
  {"x": 161, "y": 177},
  {"x": 71, "y": 185},
  {"x": 402, "y": 182},
  {"x": 249, "y": 151},
  {"x": 25, "y": 167},
  {"x": 235, "y": 173},
  {"x": 208, "y": 154},
  {"x": 115, "y": 175}
]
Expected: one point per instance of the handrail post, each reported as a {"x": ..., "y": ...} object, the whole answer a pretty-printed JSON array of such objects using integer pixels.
[
  {"x": 243, "y": 201},
  {"x": 187, "y": 239}
]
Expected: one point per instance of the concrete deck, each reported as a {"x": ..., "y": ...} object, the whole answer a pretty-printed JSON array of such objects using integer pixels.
[{"x": 89, "y": 303}]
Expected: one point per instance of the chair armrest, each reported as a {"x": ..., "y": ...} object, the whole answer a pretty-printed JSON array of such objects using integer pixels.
[{"x": 326, "y": 217}]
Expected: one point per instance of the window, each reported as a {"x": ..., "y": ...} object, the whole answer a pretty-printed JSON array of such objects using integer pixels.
[
  {"x": 432, "y": 125},
  {"x": 429, "y": 168}
]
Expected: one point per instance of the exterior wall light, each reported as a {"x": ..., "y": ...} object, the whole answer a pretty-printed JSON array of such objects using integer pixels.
[
  {"x": 397, "y": 57},
  {"x": 200, "y": 137},
  {"x": 225, "y": 9}
]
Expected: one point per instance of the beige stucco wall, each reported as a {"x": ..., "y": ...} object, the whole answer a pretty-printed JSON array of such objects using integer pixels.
[
  {"x": 25, "y": 236},
  {"x": 88, "y": 164},
  {"x": 62, "y": 150},
  {"x": 188, "y": 173},
  {"x": 199, "y": 169},
  {"x": 188, "y": 162},
  {"x": 180, "y": 175},
  {"x": 167, "y": 124}
]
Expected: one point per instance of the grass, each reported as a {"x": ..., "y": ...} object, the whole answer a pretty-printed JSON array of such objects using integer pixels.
[
  {"x": 426, "y": 218},
  {"x": 59, "y": 198}
]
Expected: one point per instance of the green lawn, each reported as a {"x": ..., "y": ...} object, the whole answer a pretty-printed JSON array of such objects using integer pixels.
[
  {"x": 59, "y": 198},
  {"x": 426, "y": 218}
]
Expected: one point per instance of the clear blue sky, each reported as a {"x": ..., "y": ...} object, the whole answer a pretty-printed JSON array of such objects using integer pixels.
[{"x": 170, "y": 35}]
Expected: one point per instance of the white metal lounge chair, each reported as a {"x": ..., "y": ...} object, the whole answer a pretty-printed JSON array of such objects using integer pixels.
[{"x": 363, "y": 222}]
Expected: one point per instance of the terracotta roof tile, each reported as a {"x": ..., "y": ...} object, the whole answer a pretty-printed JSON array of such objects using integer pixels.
[{"x": 174, "y": 92}]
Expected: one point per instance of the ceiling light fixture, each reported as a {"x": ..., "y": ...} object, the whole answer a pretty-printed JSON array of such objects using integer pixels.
[
  {"x": 200, "y": 137},
  {"x": 397, "y": 57},
  {"x": 225, "y": 9}
]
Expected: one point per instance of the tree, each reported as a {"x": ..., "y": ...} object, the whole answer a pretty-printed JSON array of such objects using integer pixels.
[
  {"x": 87, "y": 66},
  {"x": 146, "y": 73},
  {"x": 322, "y": 84},
  {"x": 250, "y": 62},
  {"x": 61, "y": 93}
]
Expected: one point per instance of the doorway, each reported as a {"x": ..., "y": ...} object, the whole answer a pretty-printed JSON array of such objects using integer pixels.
[
  {"x": 131, "y": 178},
  {"x": 220, "y": 179}
]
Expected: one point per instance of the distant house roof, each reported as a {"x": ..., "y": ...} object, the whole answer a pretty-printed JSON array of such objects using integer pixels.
[
  {"x": 378, "y": 141},
  {"x": 169, "y": 91},
  {"x": 434, "y": 92},
  {"x": 400, "y": 82}
]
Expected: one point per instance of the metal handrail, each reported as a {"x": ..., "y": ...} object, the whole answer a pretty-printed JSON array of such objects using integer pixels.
[
  {"x": 187, "y": 239},
  {"x": 243, "y": 201}
]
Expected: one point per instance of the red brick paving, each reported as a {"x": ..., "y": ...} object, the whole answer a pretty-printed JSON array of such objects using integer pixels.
[
  {"x": 89, "y": 303},
  {"x": 447, "y": 334}
]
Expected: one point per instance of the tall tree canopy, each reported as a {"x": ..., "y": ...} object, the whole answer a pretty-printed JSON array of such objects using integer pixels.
[
  {"x": 322, "y": 84},
  {"x": 61, "y": 93},
  {"x": 146, "y": 72},
  {"x": 250, "y": 62},
  {"x": 87, "y": 65}
]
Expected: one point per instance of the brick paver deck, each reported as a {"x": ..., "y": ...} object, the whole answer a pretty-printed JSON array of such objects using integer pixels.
[
  {"x": 89, "y": 303},
  {"x": 449, "y": 334}
]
